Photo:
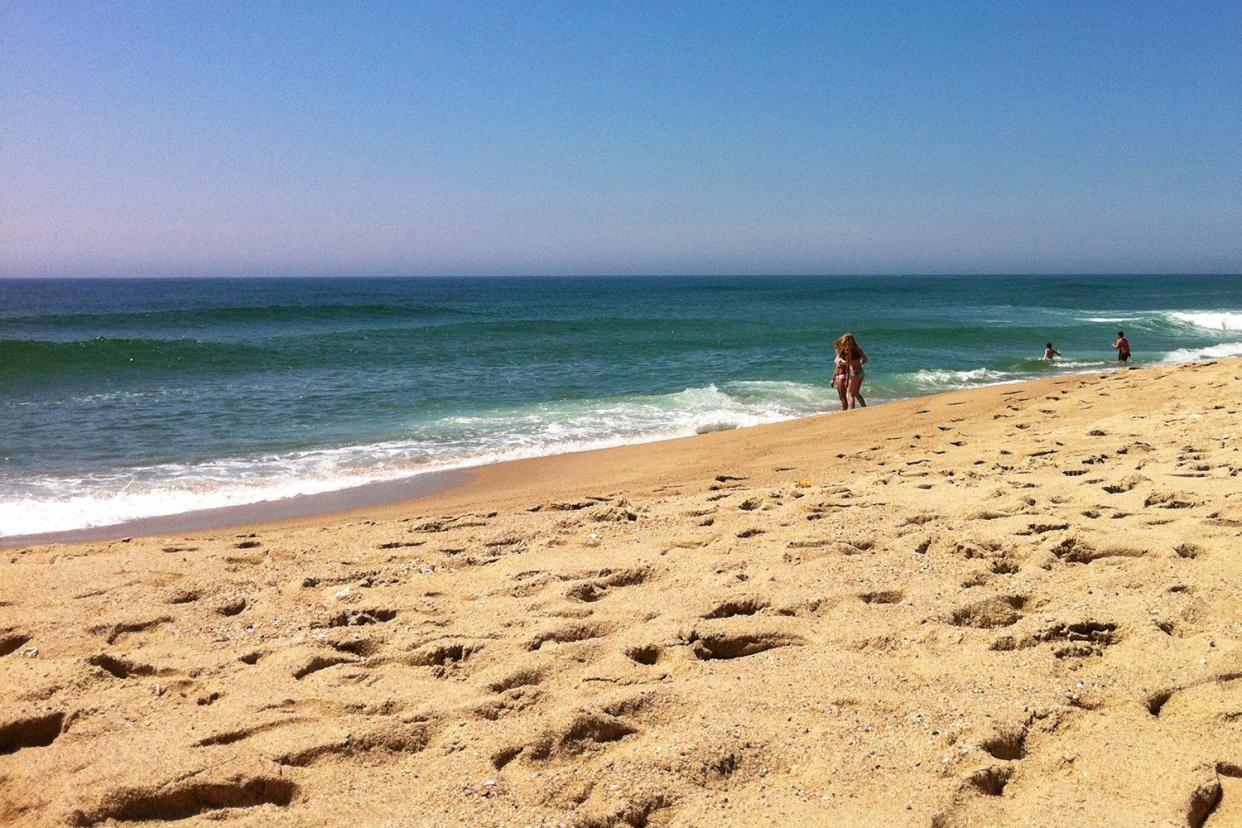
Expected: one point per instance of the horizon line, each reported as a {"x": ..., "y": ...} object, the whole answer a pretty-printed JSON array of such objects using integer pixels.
[{"x": 827, "y": 275}]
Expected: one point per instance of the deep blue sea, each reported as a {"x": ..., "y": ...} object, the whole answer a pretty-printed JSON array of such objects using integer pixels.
[{"x": 131, "y": 398}]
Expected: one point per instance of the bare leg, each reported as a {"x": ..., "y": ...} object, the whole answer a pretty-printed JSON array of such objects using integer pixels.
[
  {"x": 856, "y": 392},
  {"x": 842, "y": 392}
]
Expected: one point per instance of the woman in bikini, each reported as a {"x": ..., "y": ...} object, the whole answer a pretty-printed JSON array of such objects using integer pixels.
[
  {"x": 848, "y": 376},
  {"x": 841, "y": 377}
]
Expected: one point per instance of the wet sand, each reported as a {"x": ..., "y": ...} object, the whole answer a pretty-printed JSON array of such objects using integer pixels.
[
  {"x": 315, "y": 507},
  {"x": 1013, "y": 605}
]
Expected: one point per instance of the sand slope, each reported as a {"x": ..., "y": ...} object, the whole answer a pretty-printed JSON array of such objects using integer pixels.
[{"x": 1017, "y": 605}]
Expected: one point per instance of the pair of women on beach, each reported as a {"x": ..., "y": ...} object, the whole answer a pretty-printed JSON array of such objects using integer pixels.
[{"x": 847, "y": 376}]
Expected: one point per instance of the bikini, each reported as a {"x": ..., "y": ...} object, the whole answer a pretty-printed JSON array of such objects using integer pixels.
[{"x": 842, "y": 372}]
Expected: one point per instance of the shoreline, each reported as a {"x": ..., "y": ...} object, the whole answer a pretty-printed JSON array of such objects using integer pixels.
[
  {"x": 453, "y": 487},
  {"x": 383, "y": 496},
  {"x": 384, "y": 492},
  {"x": 388, "y": 497},
  {"x": 261, "y": 513}
]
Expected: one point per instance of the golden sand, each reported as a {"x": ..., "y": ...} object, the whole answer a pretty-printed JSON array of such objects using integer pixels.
[{"x": 1018, "y": 605}]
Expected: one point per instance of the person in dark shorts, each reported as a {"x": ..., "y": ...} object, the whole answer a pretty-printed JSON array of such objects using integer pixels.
[{"x": 1123, "y": 347}]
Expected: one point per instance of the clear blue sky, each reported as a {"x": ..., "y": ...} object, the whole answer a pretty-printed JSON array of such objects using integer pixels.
[{"x": 196, "y": 138}]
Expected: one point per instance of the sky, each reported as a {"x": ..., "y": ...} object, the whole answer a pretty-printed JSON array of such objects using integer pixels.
[{"x": 265, "y": 138}]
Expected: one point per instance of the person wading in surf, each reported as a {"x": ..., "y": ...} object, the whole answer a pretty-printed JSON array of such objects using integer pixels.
[
  {"x": 1123, "y": 347},
  {"x": 848, "y": 374}
]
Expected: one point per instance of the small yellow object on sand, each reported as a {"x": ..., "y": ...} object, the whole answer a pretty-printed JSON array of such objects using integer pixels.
[{"x": 803, "y": 484}]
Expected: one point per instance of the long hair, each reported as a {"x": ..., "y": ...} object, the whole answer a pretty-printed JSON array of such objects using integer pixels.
[{"x": 848, "y": 346}]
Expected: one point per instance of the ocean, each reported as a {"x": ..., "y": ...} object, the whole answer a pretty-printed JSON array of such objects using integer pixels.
[{"x": 132, "y": 398}]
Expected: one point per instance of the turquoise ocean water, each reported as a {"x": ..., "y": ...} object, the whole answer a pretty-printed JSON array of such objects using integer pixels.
[{"x": 122, "y": 399}]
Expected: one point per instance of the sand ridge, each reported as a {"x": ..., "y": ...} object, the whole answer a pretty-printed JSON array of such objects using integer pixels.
[{"x": 1016, "y": 605}]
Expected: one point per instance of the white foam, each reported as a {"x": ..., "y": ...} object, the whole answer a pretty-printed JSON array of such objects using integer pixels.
[
  {"x": 1209, "y": 320},
  {"x": 1084, "y": 363},
  {"x": 58, "y": 504},
  {"x": 1111, "y": 320},
  {"x": 945, "y": 380},
  {"x": 1227, "y": 349}
]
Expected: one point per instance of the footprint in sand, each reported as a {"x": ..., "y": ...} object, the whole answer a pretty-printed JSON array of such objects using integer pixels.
[
  {"x": 39, "y": 730},
  {"x": 885, "y": 596},
  {"x": 11, "y": 641},
  {"x": 190, "y": 797},
  {"x": 989, "y": 613},
  {"x": 747, "y": 605},
  {"x": 712, "y": 646}
]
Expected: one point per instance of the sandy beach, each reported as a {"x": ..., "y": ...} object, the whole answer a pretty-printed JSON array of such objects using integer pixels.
[{"x": 1013, "y": 605}]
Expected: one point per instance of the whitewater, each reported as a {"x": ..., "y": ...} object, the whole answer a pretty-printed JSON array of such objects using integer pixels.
[{"x": 128, "y": 399}]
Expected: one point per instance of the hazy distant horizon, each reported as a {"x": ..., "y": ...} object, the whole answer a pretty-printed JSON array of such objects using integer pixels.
[
  {"x": 147, "y": 139},
  {"x": 877, "y": 275}
]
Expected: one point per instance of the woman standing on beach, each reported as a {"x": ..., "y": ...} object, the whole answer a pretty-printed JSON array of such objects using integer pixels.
[
  {"x": 848, "y": 374},
  {"x": 841, "y": 376}
]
